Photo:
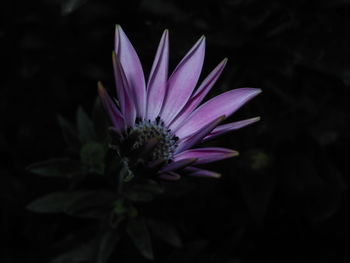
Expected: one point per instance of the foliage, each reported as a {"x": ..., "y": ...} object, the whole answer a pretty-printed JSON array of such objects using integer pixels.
[{"x": 92, "y": 194}]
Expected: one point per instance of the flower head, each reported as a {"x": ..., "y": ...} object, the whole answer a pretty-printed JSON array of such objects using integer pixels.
[{"x": 163, "y": 119}]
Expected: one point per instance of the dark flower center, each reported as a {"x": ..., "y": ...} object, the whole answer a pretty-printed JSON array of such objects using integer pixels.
[{"x": 148, "y": 130}]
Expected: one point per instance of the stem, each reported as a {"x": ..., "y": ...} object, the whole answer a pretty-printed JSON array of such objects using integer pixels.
[{"x": 123, "y": 173}]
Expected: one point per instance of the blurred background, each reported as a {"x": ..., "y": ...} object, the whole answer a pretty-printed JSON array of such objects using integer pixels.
[{"x": 284, "y": 199}]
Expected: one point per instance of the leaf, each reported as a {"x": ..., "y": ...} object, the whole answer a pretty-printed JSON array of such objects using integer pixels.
[
  {"x": 52, "y": 203},
  {"x": 85, "y": 126},
  {"x": 106, "y": 245},
  {"x": 165, "y": 232},
  {"x": 69, "y": 133},
  {"x": 93, "y": 154},
  {"x": 119, "y": 208},
  {"x": 138, "y": 233},
  {"x": 61, "y": 167},
  {"x": 100, "y": 121},
  {"x": 82, "y": 253},
  {"x": 88, "y": 204}
]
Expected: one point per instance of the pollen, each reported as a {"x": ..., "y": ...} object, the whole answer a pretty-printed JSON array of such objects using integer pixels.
[{"x": 145, "y": 130}]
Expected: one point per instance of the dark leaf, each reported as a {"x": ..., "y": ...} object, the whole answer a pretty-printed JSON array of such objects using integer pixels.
[
  {"x": 85, "y": 126},
  {"x": 165, "y": 232},
  {"x": 119, "y": 207},
  {"x": 100, "y": 121},
  {"x": 139, "y": 234},
  {"x": 69, "y": 133},
  {"x": 92, "y": 154},
  {"x": 82, "y": 253},
  {"x": 82, "y": 204},
  {"x": 132, "y": 212},
  {"x": 90, "y": 204},
  {"x": 62, "y": 167},
  {"x": 106, "y": 245},
  {"x": 52, "y": 203}
]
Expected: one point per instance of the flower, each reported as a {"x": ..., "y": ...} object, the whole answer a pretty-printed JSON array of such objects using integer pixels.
[{"x": 165, "y": 118}]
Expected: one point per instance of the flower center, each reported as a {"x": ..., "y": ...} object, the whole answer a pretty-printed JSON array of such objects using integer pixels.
[{"x": 156, "y": 129}]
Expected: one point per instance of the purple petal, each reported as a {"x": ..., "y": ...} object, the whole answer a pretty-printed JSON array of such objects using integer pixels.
[
  {"x": 225, "y": 128},
  {"x": 223, "y": 104},
  {"x": 112, "y": 110},
  {"x": 125, "y": 98},
  {"x": 157, "y": 81},
  {"x": 183, "y": 80},
  {"x": 133, "y": 69},
  {"x": 206, "y": 155},
  {"x": 119, "y": 82},
  {"x": 177, "y": 165},
  {"x": 194, "y": 171},
  {"x": 189, "y": 141},
  {"x": 170, "y": 176},
  {"x": 199, "y": 95}
]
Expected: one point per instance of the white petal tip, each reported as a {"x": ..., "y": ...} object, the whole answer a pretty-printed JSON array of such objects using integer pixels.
[
  {"x": 216, "y": 175},
  {"x": 258, "y": 91},
  {"x": 233, "y": 154}
]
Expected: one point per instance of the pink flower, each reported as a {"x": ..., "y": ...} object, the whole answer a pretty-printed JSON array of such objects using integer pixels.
[{"x": 166, "y": 114}]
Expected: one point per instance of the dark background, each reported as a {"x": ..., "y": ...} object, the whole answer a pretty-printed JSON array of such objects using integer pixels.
[{"x": 284, "y": 199}]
